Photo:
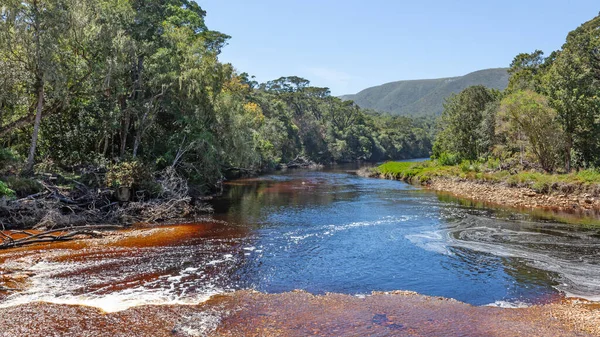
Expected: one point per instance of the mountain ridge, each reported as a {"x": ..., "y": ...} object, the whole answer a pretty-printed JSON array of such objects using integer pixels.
[{"x": 426, "y": 96}]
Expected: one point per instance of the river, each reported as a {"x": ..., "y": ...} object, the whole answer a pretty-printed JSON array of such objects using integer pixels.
[{"x": 325, "y": 231}]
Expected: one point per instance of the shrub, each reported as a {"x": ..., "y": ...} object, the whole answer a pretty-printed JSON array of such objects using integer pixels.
[
  {"x": 541, "y": 187},
  {"x": 9, "y": 160},
  {"x": 23, "y": 186},
  {"x": 468, "y": 166},
  {"x": 513, "y": 180},
  {"x": 5, "y": 191},
  {"x": 128, "y": 174},
  {"x": 493, "y": 164},
  {"x": 448, "y": 159}
]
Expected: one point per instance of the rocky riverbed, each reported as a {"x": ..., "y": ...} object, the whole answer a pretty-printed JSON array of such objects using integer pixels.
[
  {"x": 502, "y": 194},
  {"x": 248, "y": 313}
]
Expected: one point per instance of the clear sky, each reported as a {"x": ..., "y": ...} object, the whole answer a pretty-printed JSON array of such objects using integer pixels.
[{"x": 349, "y": 45}]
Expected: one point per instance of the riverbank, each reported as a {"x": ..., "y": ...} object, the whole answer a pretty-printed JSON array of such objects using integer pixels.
[
  {"x": 572, "y": 193},
  {"x": 248, "y": 313}
]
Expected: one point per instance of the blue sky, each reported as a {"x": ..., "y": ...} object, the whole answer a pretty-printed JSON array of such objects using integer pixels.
[{"x": 351, "y": 45}]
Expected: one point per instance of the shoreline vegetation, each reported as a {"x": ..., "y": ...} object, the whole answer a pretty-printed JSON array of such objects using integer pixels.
[
  {"x": 577, "y": 192},
  {"x": 117, "y": 112}
]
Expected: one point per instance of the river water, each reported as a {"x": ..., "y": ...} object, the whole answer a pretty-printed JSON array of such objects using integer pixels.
[{"x": 319, "y": 231}]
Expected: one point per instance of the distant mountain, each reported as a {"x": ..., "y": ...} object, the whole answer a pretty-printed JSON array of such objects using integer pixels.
[{"x": 424, "y": 97}]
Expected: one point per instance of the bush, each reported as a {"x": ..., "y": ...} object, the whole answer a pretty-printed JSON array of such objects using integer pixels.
[
  {"x": 128, "y": 174},
  {"x": 5, "y": 191},
  {"x": 468, "y": 166},
  {"x": 541, "y": 187},
  {"x": 8, "y": 160},
  {"x": 448, "y": 159},
  {"x": 23, "y": 186},
  {"x": 493, "y": 164},
  {"x": 513, "y": 180}
]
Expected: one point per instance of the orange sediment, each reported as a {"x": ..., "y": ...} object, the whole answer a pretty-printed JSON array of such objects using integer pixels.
[{"x": 246, "y": 313}]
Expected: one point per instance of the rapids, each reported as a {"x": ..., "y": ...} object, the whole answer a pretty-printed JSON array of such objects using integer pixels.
[{"x": 321, "y": 232}]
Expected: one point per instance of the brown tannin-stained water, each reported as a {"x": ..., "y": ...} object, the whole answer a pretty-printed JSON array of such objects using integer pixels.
[{"x": 320, "y": 232}]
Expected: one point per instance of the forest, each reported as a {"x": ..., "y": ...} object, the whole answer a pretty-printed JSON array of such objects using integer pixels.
[
  {"x": 547, "y": 120},
  {"x": 111, "y": 101},
  {"x": 131, "y": 89}
]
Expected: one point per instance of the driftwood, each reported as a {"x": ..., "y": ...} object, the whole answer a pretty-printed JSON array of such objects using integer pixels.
[
  {"x": 60, "y": 234},
  {"x": 57, "y": 207}
]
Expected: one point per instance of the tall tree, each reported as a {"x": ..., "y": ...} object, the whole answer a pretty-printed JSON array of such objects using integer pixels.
[
  {"x": 460, "y": 121},
  {"x": 524, "y": 71},
  {"x": 573, "y": 83},
  {"x": 527, "y": 118}
]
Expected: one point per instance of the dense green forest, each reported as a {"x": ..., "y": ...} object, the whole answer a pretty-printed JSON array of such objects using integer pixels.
[
  {"x": 425, "y": 97},
  {"x": 131, "y": 88},
  {"x": 548, "y": 119}
]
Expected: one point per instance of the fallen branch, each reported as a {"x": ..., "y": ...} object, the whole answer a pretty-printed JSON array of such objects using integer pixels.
[{"x": 53, "y": 235}]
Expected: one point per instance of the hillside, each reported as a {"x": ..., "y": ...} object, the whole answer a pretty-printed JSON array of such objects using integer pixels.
[{"x": 424, "y": 97}]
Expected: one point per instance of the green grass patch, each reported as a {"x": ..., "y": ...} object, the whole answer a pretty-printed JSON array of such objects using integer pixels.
[{"x": 423, "y": 172}]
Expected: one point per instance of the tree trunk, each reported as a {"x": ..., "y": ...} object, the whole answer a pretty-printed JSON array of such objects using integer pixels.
[
  {"x": 125, "y": 119},
  {"x": 136, "y": 143},
  {"x": 36, "y": 127},
  {"x": 568, "y": 147},
  {"x": 39, "y": 82}
]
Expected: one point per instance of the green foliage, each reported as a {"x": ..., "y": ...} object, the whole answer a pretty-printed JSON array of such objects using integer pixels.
[
  {"x": 448, "y": 159},
  {"x": 128, "y": 85},
  {"x": 548, "y": 116},
  {"x": 469, "y": 166},
  {"x": 23, "y": 186},
  {"x": 9, "y": 160},
  {"x": 571, "y": 83},
  {"x": 128, "y": 174},
  {"x": 524, "y": 71},
  {"x": 527, "y": 119},
  {"x": 589, "y": 176},
  {"x": 461, "y": 120},
  {"x": 5, "y": 191},
  {"x": 424, "y": 172}
]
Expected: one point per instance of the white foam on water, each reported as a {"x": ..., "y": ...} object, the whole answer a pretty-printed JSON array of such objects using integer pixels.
[
  {"x": 508, "y": 304},
  {"x": 44, "y": 289},
  {"x": 433, "y": 241},
  {"x": 576, "y": 269},
  {"x": 330, "y": 230},
  {"x": 49, "y": 284}
]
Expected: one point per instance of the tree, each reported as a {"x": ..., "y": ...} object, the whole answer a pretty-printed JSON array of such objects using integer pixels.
[
  {"x": 524, "y": 71},
  {"x": 572, "y": 83},
  {"x": 31, "y": 37},
  {"x": 460, "y": 120},
  {"x": 527, "y": 117}
]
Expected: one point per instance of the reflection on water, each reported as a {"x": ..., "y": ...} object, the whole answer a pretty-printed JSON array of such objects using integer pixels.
[{"x": 321, "y": 232}]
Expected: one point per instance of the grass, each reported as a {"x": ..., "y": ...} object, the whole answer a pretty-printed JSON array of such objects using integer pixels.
[{"x": 423, "y": 172}]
